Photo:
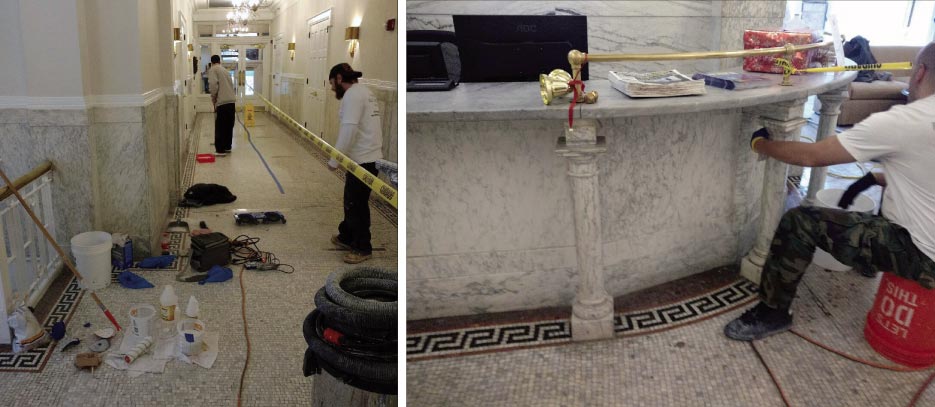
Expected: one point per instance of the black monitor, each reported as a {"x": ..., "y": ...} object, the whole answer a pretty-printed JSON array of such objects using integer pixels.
[
  {"x": 518, "y": 48},
  {"x": 424, "y": 60}
]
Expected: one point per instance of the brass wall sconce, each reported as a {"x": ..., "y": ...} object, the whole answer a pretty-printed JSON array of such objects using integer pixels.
[
  {"x": 191, "y": 48},
  {"x": 176, "y": 39},
  {"x": 292, "y": 51},
  {"x": 352, "y": 34}
]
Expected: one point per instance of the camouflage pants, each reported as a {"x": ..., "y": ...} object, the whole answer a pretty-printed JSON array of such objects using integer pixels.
[{"x": 867, "y": 242}]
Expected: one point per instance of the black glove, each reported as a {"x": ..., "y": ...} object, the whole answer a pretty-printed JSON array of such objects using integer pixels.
[
  {"x": 759, "y": 134},
  {"x": 856, "y": 188}
]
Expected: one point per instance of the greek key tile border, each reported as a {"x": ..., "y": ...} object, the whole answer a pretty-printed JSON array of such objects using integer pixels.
[
  {"x": 474, "y": 340},
  {"x": 34, "y": 361}
]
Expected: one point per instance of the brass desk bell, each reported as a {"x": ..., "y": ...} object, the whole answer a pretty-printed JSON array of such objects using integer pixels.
[{"x": 555, "y": 85}]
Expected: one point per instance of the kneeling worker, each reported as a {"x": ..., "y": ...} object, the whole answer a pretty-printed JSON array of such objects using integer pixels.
[{"x": 902, "y": 241}]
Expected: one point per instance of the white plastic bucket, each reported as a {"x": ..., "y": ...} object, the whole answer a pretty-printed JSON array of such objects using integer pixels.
[
  {"x": 141, "y": 319},
  {"x": 828, "y": 198},
  {"x": 191, "y": 332},
  {"x": 92, "y": 257}
]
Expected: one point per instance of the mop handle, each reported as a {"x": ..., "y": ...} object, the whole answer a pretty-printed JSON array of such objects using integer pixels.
[{"x": 58, "y": 248}]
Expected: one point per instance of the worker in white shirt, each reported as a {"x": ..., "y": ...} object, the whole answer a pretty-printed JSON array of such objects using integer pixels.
[{"x": 361, "y": 139}]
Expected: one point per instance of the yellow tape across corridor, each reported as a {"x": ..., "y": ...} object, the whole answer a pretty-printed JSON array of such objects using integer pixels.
[{"x": 382, "y": 189}]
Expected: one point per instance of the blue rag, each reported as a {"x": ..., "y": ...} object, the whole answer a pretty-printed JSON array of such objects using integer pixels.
[
  {"x": 157, "y": 262},
  {"x": 58, "y": 330},
  {"x": 130, "y": 280},
  {"x": 217, "y": 274}
]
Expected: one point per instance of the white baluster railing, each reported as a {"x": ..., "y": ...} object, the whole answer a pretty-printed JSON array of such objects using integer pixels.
[{"x": 28, "y": 263}]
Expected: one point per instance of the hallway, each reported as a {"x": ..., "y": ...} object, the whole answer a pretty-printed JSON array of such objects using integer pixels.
[{"x": 276, "y": 303}]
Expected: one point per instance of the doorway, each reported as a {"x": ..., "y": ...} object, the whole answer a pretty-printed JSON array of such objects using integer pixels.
[
  {"x": 319, "y": 34},
  {"x": 245, "y": 65}
]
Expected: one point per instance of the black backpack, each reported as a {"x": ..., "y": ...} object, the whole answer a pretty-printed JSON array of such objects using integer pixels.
[{"x": 207, "y": 194}]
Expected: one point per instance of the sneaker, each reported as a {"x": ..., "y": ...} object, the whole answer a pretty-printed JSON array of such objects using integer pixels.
[
  {"x": 758, "y": 322},
  {"x": 339, "y": 244},
  {"x": 220, "y": 154},
  {"x": 355, "y": 257}
]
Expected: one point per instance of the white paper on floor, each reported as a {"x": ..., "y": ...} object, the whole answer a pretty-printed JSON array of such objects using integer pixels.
[
  {"x": 165, "y": 349},
  {"x": 207, "y": 357}
]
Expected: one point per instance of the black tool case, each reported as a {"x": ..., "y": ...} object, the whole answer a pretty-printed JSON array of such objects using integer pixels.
[{"x": 209, "y": 250}]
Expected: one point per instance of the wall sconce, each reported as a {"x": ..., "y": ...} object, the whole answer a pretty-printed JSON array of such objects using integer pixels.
[
  {"x": 191, "y": 47},
  {"x": 176, "y": 38},
  {"x": 292, "y": 51},
  {"x": 352, "y": 34}
]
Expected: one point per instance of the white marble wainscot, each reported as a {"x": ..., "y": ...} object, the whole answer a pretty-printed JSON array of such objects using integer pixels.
[
  {"x": 29, "y": 137},
  {"x": 490, "y": 214},
  {"x": 135, "y": 173},
  {"x": 158, "y": 168},
  {"x": 176, "y": 135},
  {"x": 387, "y": 98},
  {"x": 120, "y": 151},
  {"x": 290, "y": 99}
]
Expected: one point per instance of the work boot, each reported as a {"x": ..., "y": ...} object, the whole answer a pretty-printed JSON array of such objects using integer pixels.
[
  {"x": 759, "y": 322},
  {"x": 355, "y": 257},
  {"x": 339, "y": 244}
]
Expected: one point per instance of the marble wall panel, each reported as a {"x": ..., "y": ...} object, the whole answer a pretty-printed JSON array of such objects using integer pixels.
[
  {"x": 123, "y": 199},
  {"x": 629, "y": 26},
  {"x": 174, "y": 133},
  {"x": 486, "y": 186},
  {"x": 481, "y": 283},
  {"x": 69, "y": 150},
  {"x": 158, "y": 166},
  {"x": 701, "y": 8}
]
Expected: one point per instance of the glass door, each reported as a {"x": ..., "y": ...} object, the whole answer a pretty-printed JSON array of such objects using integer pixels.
[{"x": 245, "y": 65}]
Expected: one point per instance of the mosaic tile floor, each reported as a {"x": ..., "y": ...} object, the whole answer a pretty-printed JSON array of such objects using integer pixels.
[
  {"x": 277, "y": 303},
  {"x": 693, "y": 365}
]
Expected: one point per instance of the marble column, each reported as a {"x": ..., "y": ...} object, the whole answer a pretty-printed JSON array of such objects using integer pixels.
[
  {"x": 827, "y": 122},
  {"x": 593, "y": 309},
  {"x": 784, "y": 123}
]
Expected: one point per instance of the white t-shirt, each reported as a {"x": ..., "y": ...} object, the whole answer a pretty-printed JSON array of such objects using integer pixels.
[
  {"x": 903, "y": 140},
  {"x": 365, "y": 143}
]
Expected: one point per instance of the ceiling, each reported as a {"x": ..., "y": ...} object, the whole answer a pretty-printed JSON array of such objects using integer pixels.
[{"x": 200, "y": 4}]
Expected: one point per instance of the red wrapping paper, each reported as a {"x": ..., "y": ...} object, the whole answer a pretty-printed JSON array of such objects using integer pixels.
[{"x": 753, "y": 39}]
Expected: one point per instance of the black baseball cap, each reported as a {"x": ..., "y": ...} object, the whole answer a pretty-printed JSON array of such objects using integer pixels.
[{"x": 347, "y": 73}]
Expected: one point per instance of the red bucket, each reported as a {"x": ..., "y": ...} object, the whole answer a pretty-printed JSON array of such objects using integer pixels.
[
  {"x": 901, "y": 324},
  {"x": 205, "y": 158}
]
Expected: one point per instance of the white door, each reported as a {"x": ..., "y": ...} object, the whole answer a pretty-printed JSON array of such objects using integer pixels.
[
  {"x": 317, "y": 88},
  {"x": 276, "y": 69},
  {"x": 245, "y": 64}
]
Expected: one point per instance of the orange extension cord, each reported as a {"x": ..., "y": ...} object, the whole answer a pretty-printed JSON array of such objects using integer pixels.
[
  {"x": 243, "y": 313},
  {"x": 894, "y": 368}
]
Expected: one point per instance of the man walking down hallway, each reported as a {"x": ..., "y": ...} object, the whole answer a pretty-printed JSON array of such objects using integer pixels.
[{"x": 222, "y": 96}]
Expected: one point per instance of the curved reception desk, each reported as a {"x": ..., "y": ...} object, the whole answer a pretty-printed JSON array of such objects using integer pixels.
[{"x": 507, "y": 209}]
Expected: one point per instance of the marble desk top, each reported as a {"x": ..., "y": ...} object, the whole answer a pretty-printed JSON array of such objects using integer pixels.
[{"x": 520, "y": 100}]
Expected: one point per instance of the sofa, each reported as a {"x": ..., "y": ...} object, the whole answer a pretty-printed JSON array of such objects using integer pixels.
[{"x": 867, "y": 98}]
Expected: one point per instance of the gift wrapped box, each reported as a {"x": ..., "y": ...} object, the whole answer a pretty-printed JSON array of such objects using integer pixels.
[{"x": 753, "y": 39}]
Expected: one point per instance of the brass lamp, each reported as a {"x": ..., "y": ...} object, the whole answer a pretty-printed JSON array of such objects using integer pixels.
[
  {"x": 352, "y": 34},
  {"x": 555, "y": 85}
]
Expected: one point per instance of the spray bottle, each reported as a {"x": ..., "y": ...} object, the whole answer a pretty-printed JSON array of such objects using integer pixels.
[{"x": 169, "y": 302}]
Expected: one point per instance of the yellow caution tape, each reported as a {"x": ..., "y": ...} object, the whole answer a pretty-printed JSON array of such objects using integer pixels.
[{"x": 382, "y": 189}]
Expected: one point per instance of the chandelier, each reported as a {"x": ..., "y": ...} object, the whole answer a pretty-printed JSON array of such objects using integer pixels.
[{"x": 243, "y": 11}]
